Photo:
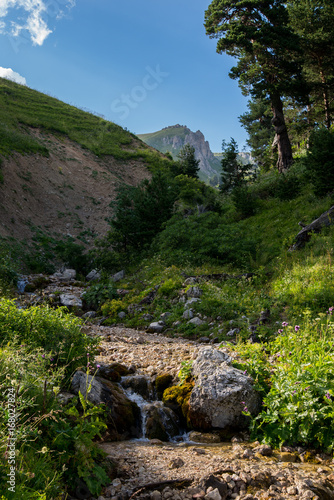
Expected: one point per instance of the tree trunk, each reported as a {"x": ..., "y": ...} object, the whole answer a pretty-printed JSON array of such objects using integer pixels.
[
  {"x": 326, "y": 99},
  {"x": 281, "y": 140}
]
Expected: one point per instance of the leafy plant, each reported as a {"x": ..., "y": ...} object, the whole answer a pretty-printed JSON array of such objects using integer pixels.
[
  {"x": 100, "y": 293},
  {"x": 185, "y": 373},
  {"x": 299, "y": 407},
  {"x": 56, "y": 331}
]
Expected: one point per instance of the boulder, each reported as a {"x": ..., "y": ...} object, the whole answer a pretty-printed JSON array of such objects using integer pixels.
[
  {"x": 123, "y": 415},
  {"x": 219, "y": 488},
  {"x": 69, "y": 300},
  {"x": 203, "y": 340},
  {"x": 165, "y": 315},
  {"x": 204, "y": 437},
  {"x": 118, "y": 276},
  {"x": 138, "y": 384},
  {"x": 90, "y": 315},
  {"x": 113, "y": 372},
  {"x": 221, "y": 393},
  {"x": 194, "y": 292},
  {"x": 161, "y": 422},
  {"x": 66, "y": 275},
  {"x": 196, "y": 321},
  {"x": 94, "y": 275},
  {"x": 188, "y": 314},
  {"x": 191, "y": 302},
  {"x": 156, "y": 327}
]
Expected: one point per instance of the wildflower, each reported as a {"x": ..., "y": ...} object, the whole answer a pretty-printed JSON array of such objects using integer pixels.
[
  {"x": 330, "y": 310},
  {"x": 43, "y": 355},
  {"x": 280, "y": 331},
  {"x": 297, "y": 328},
  {"x": 88, "y": 354},
  {"x": 290, "y": 355},
  {"x": 44, "y": 449},
  {"x": 327, "y": 395},
  {"x": 245, "y": 372},
  {"x": 285, "y": 323},
  {"x": 294, "y": 392},
  {"x": 98, "y": 366}
]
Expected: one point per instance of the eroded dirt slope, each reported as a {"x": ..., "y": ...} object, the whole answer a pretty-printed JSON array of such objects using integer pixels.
[{"x": 67, "y": 193}]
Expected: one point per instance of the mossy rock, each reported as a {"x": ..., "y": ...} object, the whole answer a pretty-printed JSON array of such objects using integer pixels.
[
  {"x": 161, "y": 423},
  {"x": 177, "y": 398},
  {"x": 162, "y": 382},
  {"x": 124, "y": 420},
  {"x": 113, "y": 372},
  {"x": 37, "y": 283}
]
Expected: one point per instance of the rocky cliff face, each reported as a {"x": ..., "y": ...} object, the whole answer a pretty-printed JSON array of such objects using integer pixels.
[{"x": 173, "y": 138}]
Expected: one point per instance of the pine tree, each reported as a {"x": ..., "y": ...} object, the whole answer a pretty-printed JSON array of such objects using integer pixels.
[
  {"x": 234, "y": 173},
  {"x": 258, "y": 34},
  {"x": 313, "y": 21},
  {"x": 188, "y": 163}
]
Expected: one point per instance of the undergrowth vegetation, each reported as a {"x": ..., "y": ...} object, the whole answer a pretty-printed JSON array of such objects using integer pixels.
[{"x": 255, "y": 294}]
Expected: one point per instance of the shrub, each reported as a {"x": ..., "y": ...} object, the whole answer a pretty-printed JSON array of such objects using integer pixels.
[
  {"x": 139, "y": 212},
  {"x": 204, "y": 238},
  {"x": 287, "y": 186},
  {"x": 299, "y": 408},
  {"x": 55, "y": 331},
  {"x": 99, "y": 293},
  {"x": 319, "y": 161},
  {"x": 244, "y": 201},
  {"x": 54, "y": 444}
]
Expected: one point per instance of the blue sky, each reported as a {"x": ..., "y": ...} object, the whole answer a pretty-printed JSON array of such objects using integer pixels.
[{"x": 144, "y": 64}]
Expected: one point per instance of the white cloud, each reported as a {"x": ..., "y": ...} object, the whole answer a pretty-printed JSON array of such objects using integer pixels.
[
  {"x": 39, "y": 15},
  {"x": 12, "y": 75}
]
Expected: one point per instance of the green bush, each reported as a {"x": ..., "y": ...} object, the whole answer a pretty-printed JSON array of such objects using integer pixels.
[
  {"x": 319, "y": 161},
  {"x": 287, "y": 186},
  {"x": 203, "y": 239},
  {"x": 54, "y": 444},
  {"x": 299, "y": 408},
  {"x": 244, "y": 201},
  {"x": 139, "y": 212},
  {"x": 56, "y": 331},
  {"x": 99, "y": 293}
]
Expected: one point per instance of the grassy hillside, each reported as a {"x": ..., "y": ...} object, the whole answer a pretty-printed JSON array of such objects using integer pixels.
[
  {"x": 22, "y": 108},
  {"x": 60, "y": 166}
]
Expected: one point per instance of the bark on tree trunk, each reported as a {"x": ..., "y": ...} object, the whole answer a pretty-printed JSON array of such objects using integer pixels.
[
  {"x": 326, "y": 99},
  {"x": 281, "y": 140}
]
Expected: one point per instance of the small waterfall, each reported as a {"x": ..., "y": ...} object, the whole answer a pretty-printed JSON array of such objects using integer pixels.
[
  {"x": 22, "y": 283},
  {"x": 157, "y": 420}
]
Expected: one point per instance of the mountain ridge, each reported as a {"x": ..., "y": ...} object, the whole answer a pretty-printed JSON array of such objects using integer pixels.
[{"x": 172, "y": 138}]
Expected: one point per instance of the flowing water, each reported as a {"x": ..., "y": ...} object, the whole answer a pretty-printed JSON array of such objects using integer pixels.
[{"x": 157, "y": 420}]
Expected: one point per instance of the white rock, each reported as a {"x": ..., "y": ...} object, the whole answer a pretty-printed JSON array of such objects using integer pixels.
[
  {"x": 196, "y": 321},
  {"x": 118, "y": 276},
  {"x": 188, "y": 314},
  {"x": 70, "y": 300},
  {"x": 213, "y": 495},
  {"x": 191, "y": 302}
]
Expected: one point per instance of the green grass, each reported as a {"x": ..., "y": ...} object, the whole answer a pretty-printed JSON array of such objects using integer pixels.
[{"x": 22, "y": 109}]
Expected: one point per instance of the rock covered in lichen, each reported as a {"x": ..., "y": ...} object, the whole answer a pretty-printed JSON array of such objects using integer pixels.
[{"x": 221, "y": 393}]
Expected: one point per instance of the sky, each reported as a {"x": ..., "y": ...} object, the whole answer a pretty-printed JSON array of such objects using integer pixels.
[{"x": 143, "y": 64}]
